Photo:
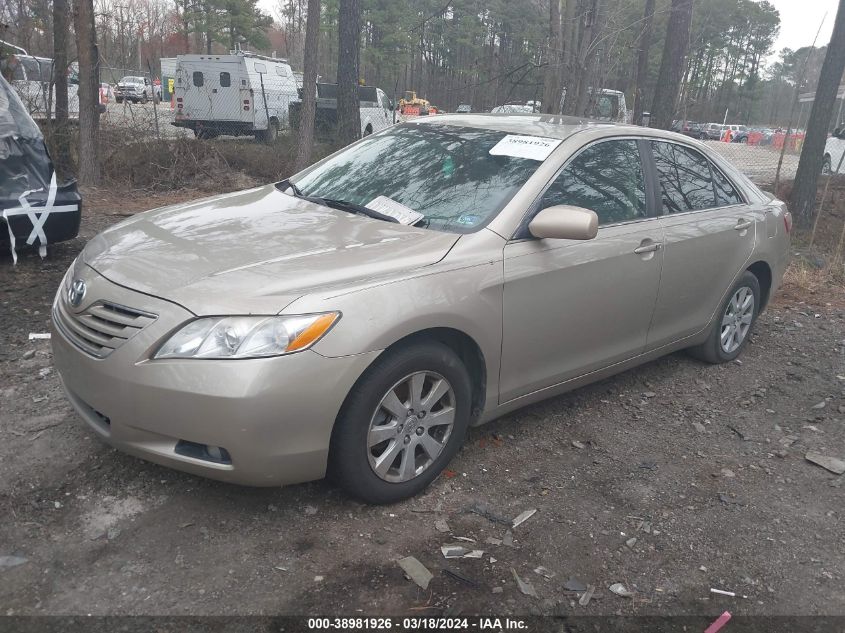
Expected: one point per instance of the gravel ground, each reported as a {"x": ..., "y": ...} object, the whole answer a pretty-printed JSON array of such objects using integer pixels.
[{"x": 671, "y": 479}]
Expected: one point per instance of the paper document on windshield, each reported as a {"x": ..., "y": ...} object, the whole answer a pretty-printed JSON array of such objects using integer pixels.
[
  {"x": 532, "y": 147},
  {"x": 395, "y": 210}
]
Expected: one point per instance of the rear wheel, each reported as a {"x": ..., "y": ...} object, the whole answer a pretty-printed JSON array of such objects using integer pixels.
[
  {"x": 732, "y": 323},
  {"x": 403, "y": 421},
  {"x": 270, "y": 134},
  {"x": 826, "y": 167}
]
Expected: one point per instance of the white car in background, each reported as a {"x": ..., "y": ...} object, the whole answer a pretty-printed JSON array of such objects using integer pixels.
[
  {"x": 834, "y": 148},
  {"x": 31, "y": 76}
]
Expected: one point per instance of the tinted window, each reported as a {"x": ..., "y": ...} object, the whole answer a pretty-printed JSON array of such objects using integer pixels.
[
  {"x": 225, "y": 80},
  {"x": 726, "y": 194},
  {"x": 199, "y": 79},
  {"x": 685, "y": 181},
  {"x": 607, "y": 178}
]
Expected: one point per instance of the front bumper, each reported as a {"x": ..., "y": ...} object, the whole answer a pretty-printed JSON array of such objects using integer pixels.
[
  {"x": 129, "y": 94},
  {"x": 273, "y": 416}
]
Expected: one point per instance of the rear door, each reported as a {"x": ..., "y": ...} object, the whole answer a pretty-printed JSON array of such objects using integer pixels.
[
  {"x": 709, "y": 233},
  {"x": 210, "y": 90},
  {"x": 571, "y": 307}
]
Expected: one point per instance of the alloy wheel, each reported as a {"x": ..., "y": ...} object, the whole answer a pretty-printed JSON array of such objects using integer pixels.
[
  {"x": 411, "y": 426},
  {"x": 737, "y": 320}
]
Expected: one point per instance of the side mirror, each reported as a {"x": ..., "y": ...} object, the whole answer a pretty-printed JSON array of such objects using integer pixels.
[{"x": 565, "y": 222}]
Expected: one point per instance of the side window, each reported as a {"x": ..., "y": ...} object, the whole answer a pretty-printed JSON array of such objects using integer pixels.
[
  {"x": 225, "y": 80},
  {"x": 685, "y": 180},
  {"x": 607, "y": 178},
  {"x": 726, "y": 194},
  {"x": 198, "y": 78},
  {"x": 281, "y": 71}
]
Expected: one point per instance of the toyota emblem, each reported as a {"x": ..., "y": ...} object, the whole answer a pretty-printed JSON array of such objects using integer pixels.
[{"x": 76, "y": 293}]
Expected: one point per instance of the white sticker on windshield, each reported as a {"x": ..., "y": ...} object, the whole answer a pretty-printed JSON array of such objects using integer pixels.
[
  {"x": 396, "y": 210},
  {"x": 532, "y": 147}
]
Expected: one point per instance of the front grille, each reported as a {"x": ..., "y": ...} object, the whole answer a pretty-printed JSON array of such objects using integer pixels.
[{"x": 102, "y": 327}]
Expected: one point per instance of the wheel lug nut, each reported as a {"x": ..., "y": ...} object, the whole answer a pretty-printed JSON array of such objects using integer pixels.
[
  {"x": 407, "y": 439},
  {"x": 420, "y": 430}
]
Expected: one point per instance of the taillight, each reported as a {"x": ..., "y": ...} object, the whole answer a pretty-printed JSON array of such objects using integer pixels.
[{"x": 787, "y": 222}]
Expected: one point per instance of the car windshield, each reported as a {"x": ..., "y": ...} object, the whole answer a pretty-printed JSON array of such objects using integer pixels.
[{"x": 444, "y": 172}]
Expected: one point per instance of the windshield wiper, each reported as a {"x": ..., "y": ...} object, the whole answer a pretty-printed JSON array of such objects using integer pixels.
[
  {"x": 351, "y": 207},
  {"x": 334, "y": 203},
  {"x": 284, "y": 185}
]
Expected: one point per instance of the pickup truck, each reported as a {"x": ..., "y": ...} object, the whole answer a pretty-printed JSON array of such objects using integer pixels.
[{"x": 376, "y": 111}]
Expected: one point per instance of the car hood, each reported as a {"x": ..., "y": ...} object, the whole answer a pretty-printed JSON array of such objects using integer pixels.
[{"x": 255, "y": 251}]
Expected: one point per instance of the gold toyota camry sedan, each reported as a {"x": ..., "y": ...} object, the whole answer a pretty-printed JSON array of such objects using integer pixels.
[{"x": 357, "y": 318}]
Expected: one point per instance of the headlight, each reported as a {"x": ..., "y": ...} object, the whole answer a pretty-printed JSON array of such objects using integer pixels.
[{"x": 247, "y": 336}]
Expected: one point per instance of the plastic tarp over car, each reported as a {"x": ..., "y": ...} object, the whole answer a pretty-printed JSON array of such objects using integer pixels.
[{"x": 32, "y": 204}]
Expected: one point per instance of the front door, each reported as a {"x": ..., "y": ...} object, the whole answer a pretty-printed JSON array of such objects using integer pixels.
[
  {"x": 709, "y": 235},
  {"x": 573, "y": 307}
]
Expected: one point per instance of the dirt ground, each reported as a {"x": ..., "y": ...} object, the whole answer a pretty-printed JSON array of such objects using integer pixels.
[{"x": 671, "y": 479}]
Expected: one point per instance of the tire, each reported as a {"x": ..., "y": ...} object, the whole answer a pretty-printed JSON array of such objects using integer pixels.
[
  {"x": 269, "y": 135},
  {"x": 826, "y": 166},
  {"x": 368, "y": 130},
  {"x": 713, "y": 350},
  {"x": 119, "y": 99},
  {"x": 357, "y": 447},
  {"x": 144, "y": 99},
  {"x": 743, "y": 140}
]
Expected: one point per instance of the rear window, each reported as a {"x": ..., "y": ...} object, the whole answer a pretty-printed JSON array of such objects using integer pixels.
[
  {"x": 689, "y": 181},
  {"x": 685, "y": 181},
  {"x": 225, "y": 80},
  {"x": 198, "y": 78}
]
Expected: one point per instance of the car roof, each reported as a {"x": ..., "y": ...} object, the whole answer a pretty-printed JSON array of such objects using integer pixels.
[{"x": 547, "y": 125}]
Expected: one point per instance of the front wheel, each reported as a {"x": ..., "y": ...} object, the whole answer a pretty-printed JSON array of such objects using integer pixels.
[
  {"x": 403, "y": 421},
  {"x": 732, "y": 323}
]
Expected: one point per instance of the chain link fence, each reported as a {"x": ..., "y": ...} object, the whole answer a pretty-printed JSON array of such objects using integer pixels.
[
  {"x": 251, "y": 97},
  {"x": 763, "y": 154}
]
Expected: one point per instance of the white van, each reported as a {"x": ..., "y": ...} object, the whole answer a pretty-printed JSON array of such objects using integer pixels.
[
  {"x": 608, "y": 106},
  {"x": 236, "y": 94}
]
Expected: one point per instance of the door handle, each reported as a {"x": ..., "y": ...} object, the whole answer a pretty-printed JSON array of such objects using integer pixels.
[
  {"x": 648, "y": 248},
  {"x": 741, "y": 225}
]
